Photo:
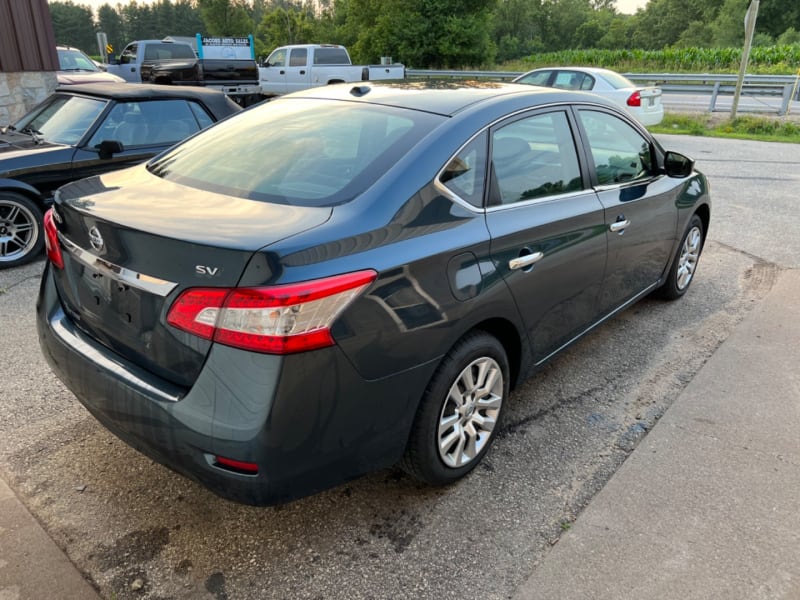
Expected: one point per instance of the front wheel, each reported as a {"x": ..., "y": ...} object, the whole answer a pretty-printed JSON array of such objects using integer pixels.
[
  {"x": 685, "y": 264},
  {"x": 21, "y": 238},
  {"x": 459, "y": 413}
]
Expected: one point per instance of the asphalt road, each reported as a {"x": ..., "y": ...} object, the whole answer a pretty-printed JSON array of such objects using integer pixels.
[{"x": 140, "y": 531}]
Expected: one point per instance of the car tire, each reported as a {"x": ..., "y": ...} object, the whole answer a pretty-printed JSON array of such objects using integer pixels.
[
  {"x": 684, "y": 266},
  {"x": 21, "y": 232},
  {"x": 454, "y": 427}
]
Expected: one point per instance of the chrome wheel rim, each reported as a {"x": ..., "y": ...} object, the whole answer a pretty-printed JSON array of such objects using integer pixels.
[
  {"x": 690, "y": 253},
  {"x": 470, "y": 412},
  {"x": 19, "y": 230}
]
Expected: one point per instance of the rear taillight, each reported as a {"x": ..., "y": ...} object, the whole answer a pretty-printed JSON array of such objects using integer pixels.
[
  {"x": 281, "y": 319},
  {"x": 51, "y": 240},
  {"x": 635, "y": 99}
]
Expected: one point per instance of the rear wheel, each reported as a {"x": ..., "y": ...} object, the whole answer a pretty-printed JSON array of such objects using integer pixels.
[
  {"x": 21, "y": 238},
  {"x": 685, "y": 263},
  {"x": 458, "y": 416}
]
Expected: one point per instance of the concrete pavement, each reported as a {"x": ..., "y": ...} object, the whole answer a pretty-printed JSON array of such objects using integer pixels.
[
  {"x": 708, "y": 505},
  {"x": 705, "y": 507},
  {"x": 32, "y": 567}
]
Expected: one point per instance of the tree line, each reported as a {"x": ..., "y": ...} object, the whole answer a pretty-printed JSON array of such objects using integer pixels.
[{"x": 434, "y": 33}]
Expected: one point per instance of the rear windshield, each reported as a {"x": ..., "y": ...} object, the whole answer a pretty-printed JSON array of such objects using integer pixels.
[
  {"x": 617, "y": 81},
  {"x": 166, "y": 51},
  {"x": 304, "y": 152}
]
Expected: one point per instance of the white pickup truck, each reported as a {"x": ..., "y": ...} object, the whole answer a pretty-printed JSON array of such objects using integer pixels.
[{"x": 298, "y": 67}]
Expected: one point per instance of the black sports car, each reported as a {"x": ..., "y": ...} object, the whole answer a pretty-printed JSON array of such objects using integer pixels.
[
  {"x": 356, "y": 275},
  {"x": 84, "y": 130}
]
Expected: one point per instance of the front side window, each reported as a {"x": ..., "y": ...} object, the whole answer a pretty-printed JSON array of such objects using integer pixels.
[
  {"x": 620, "y": 153},
  {"x": 152, "y": 123},
  {"x": 277, "y": 58},
  {"x": 532, "y": 158},
  {"x": 307, "y": 152},
  {"x": 62, "y": 119},
  {"x": 537, "y": 78},
  {"x": 128, "y": 55}
]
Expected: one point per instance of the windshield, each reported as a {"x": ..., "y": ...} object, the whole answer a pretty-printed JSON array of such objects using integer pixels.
[
  {"x": 62, "y": 118},
  {"x": 75, "y": 60},
  {"x": 297, "y": 151}
]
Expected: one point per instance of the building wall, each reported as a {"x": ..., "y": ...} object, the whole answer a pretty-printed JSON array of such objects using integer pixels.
[{"x": 28, "y": 58}]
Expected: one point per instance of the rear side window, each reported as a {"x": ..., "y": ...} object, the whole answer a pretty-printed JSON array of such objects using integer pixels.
[
  {"x": 306, "y": 152},
  {"x": 331, "y": 56},
  {"x": 167, "y": 51},
  {"x": 298, "y": 57}
]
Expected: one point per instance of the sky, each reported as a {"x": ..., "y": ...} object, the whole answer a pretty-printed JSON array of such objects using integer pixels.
[{"x": 625, "y": 6}]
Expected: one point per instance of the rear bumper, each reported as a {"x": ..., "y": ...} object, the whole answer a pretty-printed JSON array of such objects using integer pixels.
[{"x": 309, "y": 421}]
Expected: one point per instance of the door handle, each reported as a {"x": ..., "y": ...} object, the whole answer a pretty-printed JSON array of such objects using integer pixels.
[
  {"x": 302, "y": 72},
  {"x": 525, "y": 261},
  {"x": 619, "y": 225}
]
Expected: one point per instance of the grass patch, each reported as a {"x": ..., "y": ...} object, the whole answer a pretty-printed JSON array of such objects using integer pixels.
[{"x": 743, "y": 128}]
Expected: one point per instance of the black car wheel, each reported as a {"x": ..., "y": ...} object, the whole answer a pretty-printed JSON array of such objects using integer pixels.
[
  {"x": 21, "y": 238},
  {"x": 685, "y": 263},
  {"x": 460, "y": 411}
]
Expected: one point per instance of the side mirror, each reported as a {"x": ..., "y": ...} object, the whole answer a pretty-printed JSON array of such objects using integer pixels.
[
  {"x": 677, "y": 165},
  {"x": 108, "y": 148}
]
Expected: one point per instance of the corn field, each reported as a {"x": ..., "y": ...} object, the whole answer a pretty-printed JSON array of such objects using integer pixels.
[{"x": 772, "y": 60}]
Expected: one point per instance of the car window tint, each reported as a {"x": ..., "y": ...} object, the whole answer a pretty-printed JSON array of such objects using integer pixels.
[
  {"x": 298, "y": 57},
  {"x": 157, "y": 122},
  {"x": 285, "y": 152},
  {"x": 331, "y": 56},
  {"x": 619, "y": 151},
  {"x": 63, "y": 119},
  {"x": 532, "y": 158},
  {"x": 567, "y": 80},
  {"x": 537, "y": 78},
  {"x": 465, "y": 174}
]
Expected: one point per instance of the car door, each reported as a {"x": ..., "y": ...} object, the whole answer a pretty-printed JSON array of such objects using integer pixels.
[
  {"x": 639, "y": 203},
  {"x": 297, "y": 73},
  {"x": 273, "y": 74},
  {"x": 547, "y": 227},
  {"x": 128, "y": 66}
]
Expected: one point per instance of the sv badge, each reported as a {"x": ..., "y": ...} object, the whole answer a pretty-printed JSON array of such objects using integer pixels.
[{"x": 205, "y": 271}]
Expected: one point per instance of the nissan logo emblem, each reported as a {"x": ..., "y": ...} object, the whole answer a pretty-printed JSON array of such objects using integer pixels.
[{"x": 95, "y": 239}]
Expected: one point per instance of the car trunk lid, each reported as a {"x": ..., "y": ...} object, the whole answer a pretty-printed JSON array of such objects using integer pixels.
[{"x": 128, "y": 256}]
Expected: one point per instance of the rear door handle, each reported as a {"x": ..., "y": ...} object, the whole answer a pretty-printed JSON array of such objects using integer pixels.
[
  {"x": 525, "y": 261},
  {"x": 619, "y": 225}
]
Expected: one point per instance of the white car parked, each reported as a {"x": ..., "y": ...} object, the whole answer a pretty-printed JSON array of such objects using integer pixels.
[{"x": 644, "y": 103}]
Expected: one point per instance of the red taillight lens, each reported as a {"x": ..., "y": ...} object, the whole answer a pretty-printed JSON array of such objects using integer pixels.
[
  {"x": 276, "y": 320},
  {"x": 51, "y": 240},
  {"x": 635, "y": 99}
]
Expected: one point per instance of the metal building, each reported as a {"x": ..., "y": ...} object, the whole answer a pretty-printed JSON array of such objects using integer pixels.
[{"x": 28, "y": 58}]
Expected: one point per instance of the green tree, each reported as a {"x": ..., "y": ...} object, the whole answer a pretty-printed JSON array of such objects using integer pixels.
[
  {"x": 74, "y": 25},
  {"x": 110, "y": 22},
  {"x": 226, "y": 17}
]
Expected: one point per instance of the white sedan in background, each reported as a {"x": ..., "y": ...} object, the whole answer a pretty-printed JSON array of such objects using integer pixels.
[{"x": 644, "y": 103}]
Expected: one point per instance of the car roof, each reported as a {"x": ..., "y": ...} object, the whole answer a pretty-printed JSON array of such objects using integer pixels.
[
  {"x": 218, "y": 102},
  {"x": 443, "y": 97}
]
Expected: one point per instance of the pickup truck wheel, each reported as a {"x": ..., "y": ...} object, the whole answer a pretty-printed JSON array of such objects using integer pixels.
[
  {"x": 21, "y": 238},
  {"x": 458, "y": 416}
]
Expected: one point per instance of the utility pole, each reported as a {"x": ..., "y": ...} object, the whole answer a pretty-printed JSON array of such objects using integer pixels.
[{"x": 749, "y": 30}]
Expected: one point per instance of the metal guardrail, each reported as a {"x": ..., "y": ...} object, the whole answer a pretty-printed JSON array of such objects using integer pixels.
[{"x": 785, "y": 86}]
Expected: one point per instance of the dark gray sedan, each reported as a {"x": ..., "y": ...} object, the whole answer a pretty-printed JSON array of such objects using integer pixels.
[{"x": 356, "y": 276}]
